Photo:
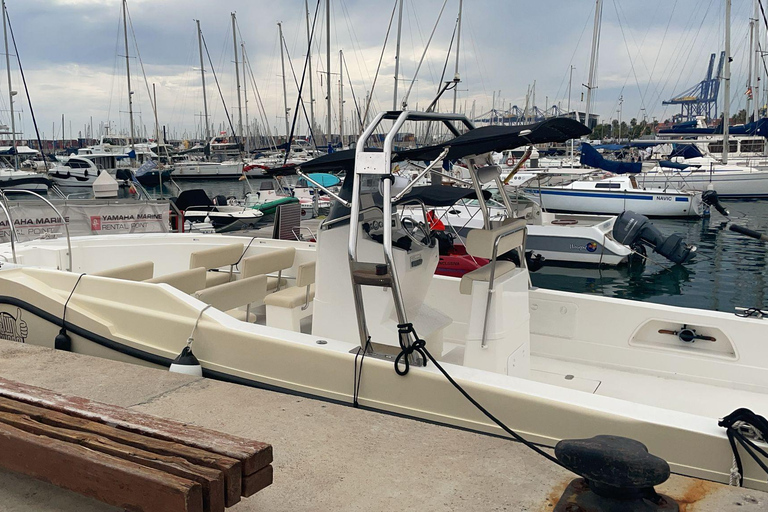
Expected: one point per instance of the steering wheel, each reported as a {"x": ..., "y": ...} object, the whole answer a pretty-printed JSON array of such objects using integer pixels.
[{"x": 411, "y": 228}]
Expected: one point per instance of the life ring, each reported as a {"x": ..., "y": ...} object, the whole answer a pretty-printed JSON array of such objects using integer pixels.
[{"x": 511, "y": 161}]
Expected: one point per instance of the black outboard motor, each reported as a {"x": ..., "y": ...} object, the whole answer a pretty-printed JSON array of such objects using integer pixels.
[
  {"x": 710, "y": 198},
  {"x": 632, "y": 228}
]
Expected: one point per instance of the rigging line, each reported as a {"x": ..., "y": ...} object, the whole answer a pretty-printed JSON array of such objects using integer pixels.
[
  {"x": 661, "y": 45},
  {"x": 299, "y": 88},
  {"x": 229, "y": 119},
  {"x": 381, "y": 57},
  {"x": 411, "y": 5},
  {"x": 299, "y": 100},
  {"x": 26, "y": 89},
  {"x": 575, "y": 49},
  {"x": 354, "y": 98},
  {"x": 690, "y": 50},
  {"x": 114, "y": 74},
  {"x": 260, "y": 104},
  {"x": 638, "y": 53},
  {"x": 671, "y": 63},
  {"x": 141, "y": 62},
  {"x": 424, "y": 54}
]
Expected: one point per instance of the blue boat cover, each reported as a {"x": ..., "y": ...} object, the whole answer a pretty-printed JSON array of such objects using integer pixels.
[
  {"x": 673, "y": 165},
  {"x": 685, "y": 151},
  {"x": 590, "y": 157}
]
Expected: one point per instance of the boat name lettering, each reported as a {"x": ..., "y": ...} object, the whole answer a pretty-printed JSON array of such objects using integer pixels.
[{"x": 662, "y": 198}]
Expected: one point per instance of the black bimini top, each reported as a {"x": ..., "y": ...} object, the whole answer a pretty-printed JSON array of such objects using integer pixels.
[{"x": 474, "y": 142}]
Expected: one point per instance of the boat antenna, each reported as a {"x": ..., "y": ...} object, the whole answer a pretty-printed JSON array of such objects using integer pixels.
[{"x": 26, "y": 89}]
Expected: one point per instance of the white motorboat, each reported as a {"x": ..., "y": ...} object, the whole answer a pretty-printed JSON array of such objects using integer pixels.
[
  {"x": 340, "y": 313},
  {"x": 24, "y": 180},
  {"x": 199, "y": 169},
  {"x": 75, "y": 171},
  {"x": 196, "y": 207}
]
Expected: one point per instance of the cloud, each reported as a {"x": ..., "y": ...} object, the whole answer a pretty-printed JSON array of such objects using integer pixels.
[{"x": 72, "y": 52}]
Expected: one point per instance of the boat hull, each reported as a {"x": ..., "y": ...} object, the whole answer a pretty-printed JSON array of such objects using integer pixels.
[
  {"x": 648, "y": 203},
  {"x": 149, "y": 324}
]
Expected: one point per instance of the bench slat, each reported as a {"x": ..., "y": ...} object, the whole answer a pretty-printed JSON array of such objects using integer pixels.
[
  {"x": 230, "y": 467},
  {"x": 211, "y": 480},
  {"x": 106, "y": 478},
  {"x": 254, "y": 455}
]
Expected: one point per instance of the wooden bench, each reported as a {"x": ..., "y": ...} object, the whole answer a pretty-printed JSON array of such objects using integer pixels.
[{"x": 125, "y": 458}]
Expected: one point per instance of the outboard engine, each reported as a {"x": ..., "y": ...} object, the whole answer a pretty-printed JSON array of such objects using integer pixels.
[
  {"x": 710, "y": 198},
  {"x": 632, "y": 228}
]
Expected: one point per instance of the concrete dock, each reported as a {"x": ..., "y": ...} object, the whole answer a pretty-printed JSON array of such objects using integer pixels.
[{"x": 327, "y": 456}]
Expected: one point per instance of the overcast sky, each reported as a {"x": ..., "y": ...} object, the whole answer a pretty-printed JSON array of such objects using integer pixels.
[{"x": 72, "y": 53}]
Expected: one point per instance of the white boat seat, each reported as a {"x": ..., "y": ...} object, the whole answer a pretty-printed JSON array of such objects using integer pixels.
[
  {"x": 483, "y": 274},
  {"x": 135, "y": 272},
  {"x": 216, "y": 258},
  {"x": 292, "y": 297},
  {"x": 480, "y": 242},
  {"x": 229, "y": 297},
  {"x": 286, "y": 308},
  {"x": 188, "y": 281},
  {"x": 270, "y": 262}
]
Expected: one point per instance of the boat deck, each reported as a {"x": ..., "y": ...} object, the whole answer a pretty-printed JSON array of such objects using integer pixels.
[{"x": 327, "y": 456}]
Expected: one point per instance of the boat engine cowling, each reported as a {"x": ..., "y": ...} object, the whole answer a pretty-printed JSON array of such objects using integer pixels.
[
  {"x": 632, "y": 228},
  {"x": 710, "y": 198}
]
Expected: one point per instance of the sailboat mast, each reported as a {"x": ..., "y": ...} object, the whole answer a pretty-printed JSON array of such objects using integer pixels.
[
  {"x": 127, "y": 71},
  {"x": 397, "y": 51},
  {"x": 593, "y": 58},
  {"x": 458, "y": 46},
  {"x": 341, "y": 99},
  {"x": 202, "y": 76},
  {"x": 237, "y": 78},
  {"x": 756, "y": 74},
  {"x": 311, "y": 77},
  {"x": 328, "y": 67},
  {"x": 10, "y": 88},
  {"x": 727, "y": 81},
  {"x": 245, "y": 102},
  {"x": 750, "y": 83},
  {"x": 157, "y": 124},
  {"x": 285, "y": 90}
]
